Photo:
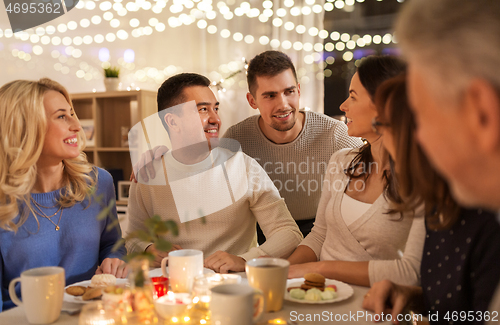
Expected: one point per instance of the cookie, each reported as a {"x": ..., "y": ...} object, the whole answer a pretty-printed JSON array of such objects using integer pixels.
[
  {"x": 307, "y": 287},
  {"x": 92, "y": 293},
  {"x": 102, "y": 280},
  {"x": 314, "y": 284},
  {"x": 76, "y": 290},
  {"x": 314, "y": 277}
]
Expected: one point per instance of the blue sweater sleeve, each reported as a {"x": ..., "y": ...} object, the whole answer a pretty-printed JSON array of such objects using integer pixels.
[
  {"x": 1, "y": 282},
  {"x": 109, "y": 237}
]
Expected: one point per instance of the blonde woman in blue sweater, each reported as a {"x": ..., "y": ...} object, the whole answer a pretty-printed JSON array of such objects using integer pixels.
[{"x": 46, "y": 215}]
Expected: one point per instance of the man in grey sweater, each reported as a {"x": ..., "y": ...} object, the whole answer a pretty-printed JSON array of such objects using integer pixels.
[{"x": 294, "y": 147}]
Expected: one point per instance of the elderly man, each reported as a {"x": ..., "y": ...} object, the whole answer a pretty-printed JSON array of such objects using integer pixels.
[
  {"x": 452, "y": 47},
  {"x": 228, "y": 188}
]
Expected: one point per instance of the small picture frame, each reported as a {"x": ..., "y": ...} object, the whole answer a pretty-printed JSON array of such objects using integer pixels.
[
  {"x": 89, "y": 130},
  {"x": 123, "y": 190},
  {"x": 124, "y": 136}
]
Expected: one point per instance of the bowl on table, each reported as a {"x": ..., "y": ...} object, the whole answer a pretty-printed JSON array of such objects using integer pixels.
[{"x": 173, "y": 304}]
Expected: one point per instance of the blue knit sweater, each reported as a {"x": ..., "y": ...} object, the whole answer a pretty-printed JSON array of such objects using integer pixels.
[{"x": 80, "y": 245}]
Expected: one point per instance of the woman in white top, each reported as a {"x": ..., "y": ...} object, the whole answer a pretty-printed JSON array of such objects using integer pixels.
[{"x": 357, "y": 238}]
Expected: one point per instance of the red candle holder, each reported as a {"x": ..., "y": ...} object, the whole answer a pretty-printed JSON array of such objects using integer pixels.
[{"x": 160, "y": 286}]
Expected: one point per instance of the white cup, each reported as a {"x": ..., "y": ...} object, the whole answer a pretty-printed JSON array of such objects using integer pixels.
[
  {"x": 269, "y": 275},
  {"x": 236, "y": 304},
  {"x": 183, "y": 266},
  {"x": 42, "y": 290}
]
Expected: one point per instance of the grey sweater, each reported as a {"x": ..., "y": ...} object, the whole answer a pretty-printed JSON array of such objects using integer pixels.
[{"x": 296, "y": 168}]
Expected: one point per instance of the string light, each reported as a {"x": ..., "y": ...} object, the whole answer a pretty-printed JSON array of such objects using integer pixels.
[{"x": 200, "y": 14}]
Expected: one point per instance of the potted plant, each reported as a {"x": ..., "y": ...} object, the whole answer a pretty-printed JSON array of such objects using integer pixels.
[{"x": 112, "y": 78}]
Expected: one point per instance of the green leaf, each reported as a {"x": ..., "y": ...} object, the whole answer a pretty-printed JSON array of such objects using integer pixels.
[
  {"x": 143, "y": 235},
  {"x": 112, "y": 72},
  {"x": 103, "y": 213},
  {"x": 161, "y": 229},
  {"x": 150, "y": 223},
  {"x": 92, "y": 190},
  {"x": 111, "y": 204},
  {"x": 119, "y": 243},
  {"x": 172, "y": 225},
  {"x": 162, "y": 245},
  {"x": 113, "y": 224}
]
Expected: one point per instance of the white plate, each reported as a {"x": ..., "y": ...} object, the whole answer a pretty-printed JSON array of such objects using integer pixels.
[
  {"x": 86, "y": 283},
  {"x": 157, "y": 272},
  {"x": 344, "y": 291}
]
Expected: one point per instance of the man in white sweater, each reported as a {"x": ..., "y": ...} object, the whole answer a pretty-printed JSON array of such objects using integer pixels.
[{"x": 226, "y": 187}]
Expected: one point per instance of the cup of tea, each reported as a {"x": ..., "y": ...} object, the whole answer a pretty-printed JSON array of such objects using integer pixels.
[
  {"x": 236, "y": 304},
  {"x": 183, "y": 266},
  {"x": 42, "y": 290},
  {"x": 204, "y": 283},
  {"x": 269, "y": 275}
]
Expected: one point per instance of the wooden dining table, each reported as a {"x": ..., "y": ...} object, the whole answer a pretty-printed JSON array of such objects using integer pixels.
[{"x": 347, "y": 311}]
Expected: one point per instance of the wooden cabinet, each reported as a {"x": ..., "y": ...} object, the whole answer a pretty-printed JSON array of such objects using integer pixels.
[{"x": 112, "y": 114}]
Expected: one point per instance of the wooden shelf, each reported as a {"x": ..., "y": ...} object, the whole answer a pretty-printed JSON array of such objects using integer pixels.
[{"x": 111, "y": 112}]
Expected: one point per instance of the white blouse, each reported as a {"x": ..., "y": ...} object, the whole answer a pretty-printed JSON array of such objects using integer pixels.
[{"x": 352, "y": 209}]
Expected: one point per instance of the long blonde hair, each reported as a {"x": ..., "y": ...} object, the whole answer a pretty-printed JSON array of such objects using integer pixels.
[{"x": 23, "y": 125}]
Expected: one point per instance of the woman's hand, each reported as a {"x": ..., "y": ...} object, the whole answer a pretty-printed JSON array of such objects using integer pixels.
[
  {"x": 298, "y": 270},
  {"x": 114, "y": 266},
  {"x": 390, "y": 298}
]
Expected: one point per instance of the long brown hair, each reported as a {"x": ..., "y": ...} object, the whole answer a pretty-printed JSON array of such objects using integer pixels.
[
  {"x": 416, "y": 180},
  {"x": 372, "y": 72}
]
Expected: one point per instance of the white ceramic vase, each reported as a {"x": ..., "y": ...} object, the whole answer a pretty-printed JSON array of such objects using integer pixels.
[{"x": 112, "y": 84}]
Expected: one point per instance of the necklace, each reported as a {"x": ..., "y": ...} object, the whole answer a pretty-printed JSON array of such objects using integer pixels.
[{"x": 43, "y": 215}]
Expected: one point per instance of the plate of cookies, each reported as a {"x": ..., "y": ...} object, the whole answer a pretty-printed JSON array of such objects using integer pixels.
[
  {"x": 86, "y": 291},
  {"x": 313, "y": 288}
]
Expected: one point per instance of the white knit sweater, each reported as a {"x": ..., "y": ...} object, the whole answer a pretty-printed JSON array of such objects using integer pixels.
[{"x": 230, "y": 229}]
